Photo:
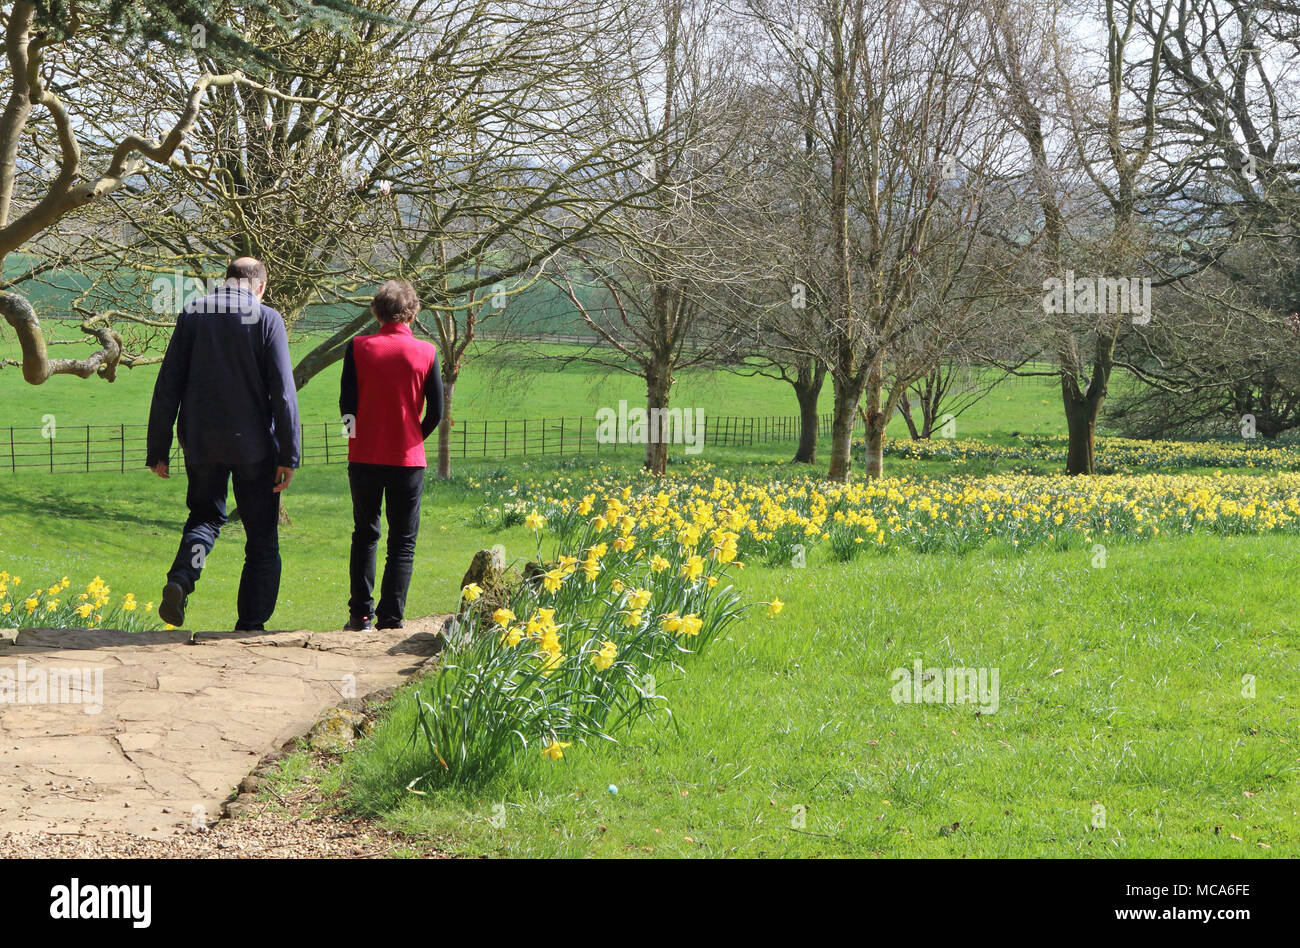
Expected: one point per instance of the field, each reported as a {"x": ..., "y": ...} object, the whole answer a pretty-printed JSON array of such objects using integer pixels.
[
  {"x": 499, "y": 382},
  {"x": 1148, "y": 705}
]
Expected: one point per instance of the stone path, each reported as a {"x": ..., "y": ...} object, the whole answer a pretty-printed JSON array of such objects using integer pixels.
[{"x": 110, "y": 732}]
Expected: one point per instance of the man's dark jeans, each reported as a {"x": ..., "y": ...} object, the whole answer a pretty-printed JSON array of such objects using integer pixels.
[
  {"x": 398, "y": 489},
  {"x": 259, "y": 510}
]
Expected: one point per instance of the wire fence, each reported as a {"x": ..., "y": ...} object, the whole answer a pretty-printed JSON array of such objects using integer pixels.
[{"x": 65, "y": 449}]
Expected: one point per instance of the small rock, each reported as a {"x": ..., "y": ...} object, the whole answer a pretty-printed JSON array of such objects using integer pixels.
[
  {"x": 337, "y": 730},
  {"x": 496, "y": 582}
]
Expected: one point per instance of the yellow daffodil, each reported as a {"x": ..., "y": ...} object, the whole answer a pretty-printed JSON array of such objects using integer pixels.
[
  {"x": 555, "y": 749},
  {"x": 604, "y": 658}
]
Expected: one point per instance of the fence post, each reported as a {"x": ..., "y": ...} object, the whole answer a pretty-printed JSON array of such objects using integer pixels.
[
  {"x": 87, "y": 449},
  {"x": 505, "y": 436},
  {"x": 13, "y": 458},
  {"x": 561, "y": 435},
  {"x": 122, "y": 432},
  {"x": 464, "y": 441},
  {"x": 580, "y": 418},
  {"x": 485, "y": 439},
  {"x": 525, "y": 437},
  {"x": 326, "y": 426}
]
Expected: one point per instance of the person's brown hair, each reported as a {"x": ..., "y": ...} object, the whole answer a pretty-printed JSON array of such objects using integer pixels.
[{"x": 395, "y": 302}]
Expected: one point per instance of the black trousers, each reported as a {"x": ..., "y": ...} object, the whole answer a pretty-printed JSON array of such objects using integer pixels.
[
  {"x": 398, "y": 491},
  {"x": 259, "y": 510}
]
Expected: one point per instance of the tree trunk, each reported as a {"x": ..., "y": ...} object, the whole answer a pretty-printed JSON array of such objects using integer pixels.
[
  {"x": 905, "y": 409},
  {"x": 847, "y": 395},
  {"x": 1081, "y": 411},
  {"x": 933, "y": 389},
  {"x": 444, "y": 430},
  {"x": 656, "y": 447},
  {"x": 1082, "y": 406},
  {"x": 875, "y": 433},
  {"x": 1081, "y": 419},
  {"x": 847, "y": 382},
  {"x": 808, "y": 390}
]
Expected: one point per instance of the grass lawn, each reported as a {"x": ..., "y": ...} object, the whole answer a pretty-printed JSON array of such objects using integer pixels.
[{"x": 1119, "y": 687}]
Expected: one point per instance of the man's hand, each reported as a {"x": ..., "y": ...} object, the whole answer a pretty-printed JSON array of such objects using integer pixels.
[
  {"x": 283, "y": 475},
  {"x": 160, "y": 468}
]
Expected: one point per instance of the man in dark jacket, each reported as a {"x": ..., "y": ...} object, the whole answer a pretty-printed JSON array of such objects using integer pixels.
[
  {"x": 388, "y": 377},
  {"x": 228, "y": 374}
]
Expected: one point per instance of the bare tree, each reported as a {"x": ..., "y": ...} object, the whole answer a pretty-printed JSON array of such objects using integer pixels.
[
  {"x": 39, "y": 130},
  {"x": 644, "y": 281},
  {"x": 904, "y": 156}
]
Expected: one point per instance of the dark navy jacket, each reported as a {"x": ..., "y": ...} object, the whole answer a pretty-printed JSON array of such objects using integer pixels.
[{"x": 227, "y": 371}]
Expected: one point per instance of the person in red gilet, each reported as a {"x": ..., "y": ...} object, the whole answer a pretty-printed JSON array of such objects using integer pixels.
[{"x": 388, "y": 377}]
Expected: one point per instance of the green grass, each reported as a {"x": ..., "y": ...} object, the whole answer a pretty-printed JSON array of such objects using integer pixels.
[{"x": 1115, "y": 689}]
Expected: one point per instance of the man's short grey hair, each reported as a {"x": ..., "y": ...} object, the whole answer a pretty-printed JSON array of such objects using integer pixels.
[{"x": 247, "y": 270}]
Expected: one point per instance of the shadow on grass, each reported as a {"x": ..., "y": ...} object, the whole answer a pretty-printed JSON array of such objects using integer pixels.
[{"x": 67, "y": 507}]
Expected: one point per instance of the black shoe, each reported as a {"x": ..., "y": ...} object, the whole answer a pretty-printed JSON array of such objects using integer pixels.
[
  {"x": 357, "y": 624},
  {"x": 172, "y": 608},
  {"x": 390, "y": 624},
  {"x": 247, "y": 627}
]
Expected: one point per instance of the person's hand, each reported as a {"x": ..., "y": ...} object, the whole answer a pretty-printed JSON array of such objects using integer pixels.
[
  {"x": 283, "y": 475},
  {"x": 160, "y": 468}
]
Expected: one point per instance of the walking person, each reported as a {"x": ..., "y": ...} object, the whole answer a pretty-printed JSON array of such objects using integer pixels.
[
  {"x": 227, "y": 374},
  {"x": 387, "y": 377}
]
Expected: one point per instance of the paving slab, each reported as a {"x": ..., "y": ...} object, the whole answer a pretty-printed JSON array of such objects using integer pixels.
[{"x": 110, "y": 732}]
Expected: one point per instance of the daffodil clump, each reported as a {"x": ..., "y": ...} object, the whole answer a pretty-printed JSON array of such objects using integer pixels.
[
  {"x": 56, "y": 607},
  {"x": 717, "y": 520},
  {"x": 577, "y": 655},
  {"x": 1110, "y": 454}
]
